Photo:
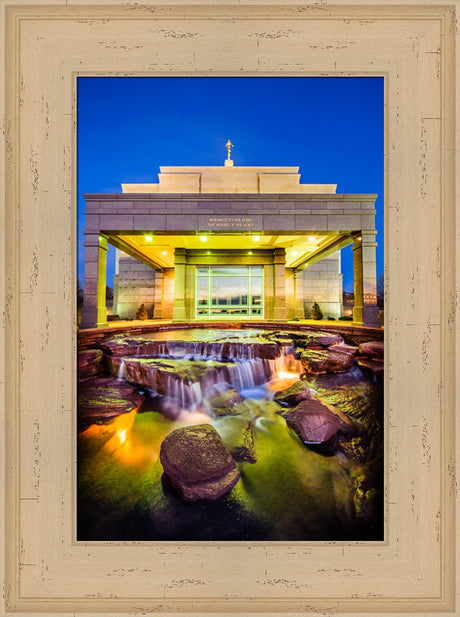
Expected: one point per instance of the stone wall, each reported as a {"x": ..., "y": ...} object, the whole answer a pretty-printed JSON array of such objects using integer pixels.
[
  {"x": 133, "y": 285},
  {"x": 322, "y": 283}
]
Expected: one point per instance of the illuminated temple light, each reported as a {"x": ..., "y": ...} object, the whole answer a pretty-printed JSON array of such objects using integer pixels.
[
  {"x": 311, "y": 238},
  {"x": 249, "y": 252},
  {"x": 148, "y": 238},
  {"x": 256, "y": 238},
  {"x": 203, "y": 238},
  {"x": 164, "y": 252}
]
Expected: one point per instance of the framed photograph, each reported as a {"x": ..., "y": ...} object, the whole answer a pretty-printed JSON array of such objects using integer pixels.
[
  {"x": 226, "y": 391},
  {"x": 71, "y": 545}
]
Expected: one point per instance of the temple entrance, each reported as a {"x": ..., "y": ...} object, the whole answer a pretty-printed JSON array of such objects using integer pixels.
[{"x": 229, "y": 291}]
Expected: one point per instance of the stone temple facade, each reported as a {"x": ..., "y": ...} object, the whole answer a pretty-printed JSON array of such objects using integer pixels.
[{"x": 229, "y": 243}]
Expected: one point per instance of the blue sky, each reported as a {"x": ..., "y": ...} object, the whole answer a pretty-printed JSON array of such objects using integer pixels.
[{"x": 331, "y": 127}]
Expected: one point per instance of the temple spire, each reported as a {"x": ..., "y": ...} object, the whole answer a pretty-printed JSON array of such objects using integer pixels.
[{"x": 229, "y": 147}]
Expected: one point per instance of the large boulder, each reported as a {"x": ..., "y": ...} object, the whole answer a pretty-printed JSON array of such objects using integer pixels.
[
  {"x": 198, "y": 463},
  {"x": 372, "y": 349},
  {"x": 104, "y": 398},
  {"x": 90, "y": 363},
  {"x": 335, "y": 359},
  {"x": 313, "y": 422},
  {"x": 296, "y": 393}
]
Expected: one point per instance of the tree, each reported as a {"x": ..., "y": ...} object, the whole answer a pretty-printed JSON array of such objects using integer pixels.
[
  {"x": 142, "y": 313},
  {"x": 316, "y": 312}
]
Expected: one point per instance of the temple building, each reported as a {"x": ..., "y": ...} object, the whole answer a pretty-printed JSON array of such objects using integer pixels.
[{"x": 229, "y": 243}]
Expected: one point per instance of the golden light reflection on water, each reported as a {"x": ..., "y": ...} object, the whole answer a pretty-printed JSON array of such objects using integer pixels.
[
  {"x": 283, "y": 380},
  {"x": 138, "y": 445}
]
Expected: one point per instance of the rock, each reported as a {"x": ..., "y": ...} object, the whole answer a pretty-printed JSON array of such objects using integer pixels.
[
  {"x": 223, "y": 400},
  {"x": 372, "y": 349},
  {"x": 313, "y": 422},
  {"x": 198, "y": 463},
  {"x": 104, "y": 398},
  {"x": 187, "y": 379},
  {"x": 238, "y": 435},
  {"x": 89, "y": 363},
  {"x": 122, "y": 345},
  {"x": 335, "y": 359},
  {"x": 324, "y": 340},
  {"x": 370, "y": 366},
  {"x": 297, "y": 392},
  {"x": 318, "y": 340},
  {"x": 243, "y": 450}
]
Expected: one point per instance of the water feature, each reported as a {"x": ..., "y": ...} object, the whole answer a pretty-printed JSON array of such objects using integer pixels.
[{"x": 228, "y": 379}]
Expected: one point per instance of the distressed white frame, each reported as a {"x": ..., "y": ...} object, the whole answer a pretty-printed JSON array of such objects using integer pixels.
[{"x": 44, "y": 47}]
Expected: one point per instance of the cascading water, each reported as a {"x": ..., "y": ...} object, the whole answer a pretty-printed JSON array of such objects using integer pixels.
[
  {"x": 286, "y": 364},
  {"x": 235, "y": 364},
  {"x": 121, "y": 371}
]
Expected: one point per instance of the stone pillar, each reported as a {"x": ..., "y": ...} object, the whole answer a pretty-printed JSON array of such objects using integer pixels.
[
  {"x": 279, "y": 304},
  {"x": 268, "y": 291},
  {"x": 365, "y": 310},
  {"x": 290, "y": 293},
  {"x": 158, "y": 296},
  {"x": 94, "y": 310},
  {"x": 190, "y": 287},
  {"x": 168, "y": 293},
  {"x": 179, "y": 311},
  {"x": 299, "y": 310}
]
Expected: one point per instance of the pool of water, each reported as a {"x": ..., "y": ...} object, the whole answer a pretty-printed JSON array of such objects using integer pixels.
[{"x": 291, "y": 493}]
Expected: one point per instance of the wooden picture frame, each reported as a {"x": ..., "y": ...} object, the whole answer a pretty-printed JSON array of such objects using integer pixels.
[{"x": 45, "y": 46}]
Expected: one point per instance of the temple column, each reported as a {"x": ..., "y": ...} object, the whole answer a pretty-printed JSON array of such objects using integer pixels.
[
  {"x": 158, "y": 295},
  {"x": 94, "y": 310},
  {"x": 290, "y": 293},
  {"x": 365, "y": 309},
  {"x": 299, "y": 295},
  {"x": 279, "y": 303},
  {"x": 179, "y": 311}
]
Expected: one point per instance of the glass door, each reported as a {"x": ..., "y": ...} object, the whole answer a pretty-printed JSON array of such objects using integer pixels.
[{"x": 225, "y": 292}]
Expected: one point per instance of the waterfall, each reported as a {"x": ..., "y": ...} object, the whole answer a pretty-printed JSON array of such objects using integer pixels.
[
  {"x": 121, "y": 371},
  {"x": 187, "y": 395},
  {"x": 286, "y": 364},
  {"x": 248, "y": 373}
]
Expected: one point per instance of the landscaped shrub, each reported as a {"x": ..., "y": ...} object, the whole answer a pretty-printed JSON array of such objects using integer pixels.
[
  {"x": 142, "y": 313},
  {"x": 316, "y": 312}
]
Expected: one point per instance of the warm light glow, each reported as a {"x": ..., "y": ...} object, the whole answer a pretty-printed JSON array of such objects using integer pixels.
[
  {"x": 208, "y": 252},
  {"x": 287, "y": 375},
  {"x": 311, "y": 238},
  {"x": 164, "y": 252},
  {"x": 128, "y": 448},
  {"x": 148, "y": 238},
  {"x": 249, "y": 252},
  {"x": 256, "y": 238},
  {"x": 203, "y": 238},
  {"x": 295, "y": 252}
]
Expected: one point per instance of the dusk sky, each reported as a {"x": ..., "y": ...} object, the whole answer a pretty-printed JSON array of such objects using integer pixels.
[{"x": 331, "y": 128}]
